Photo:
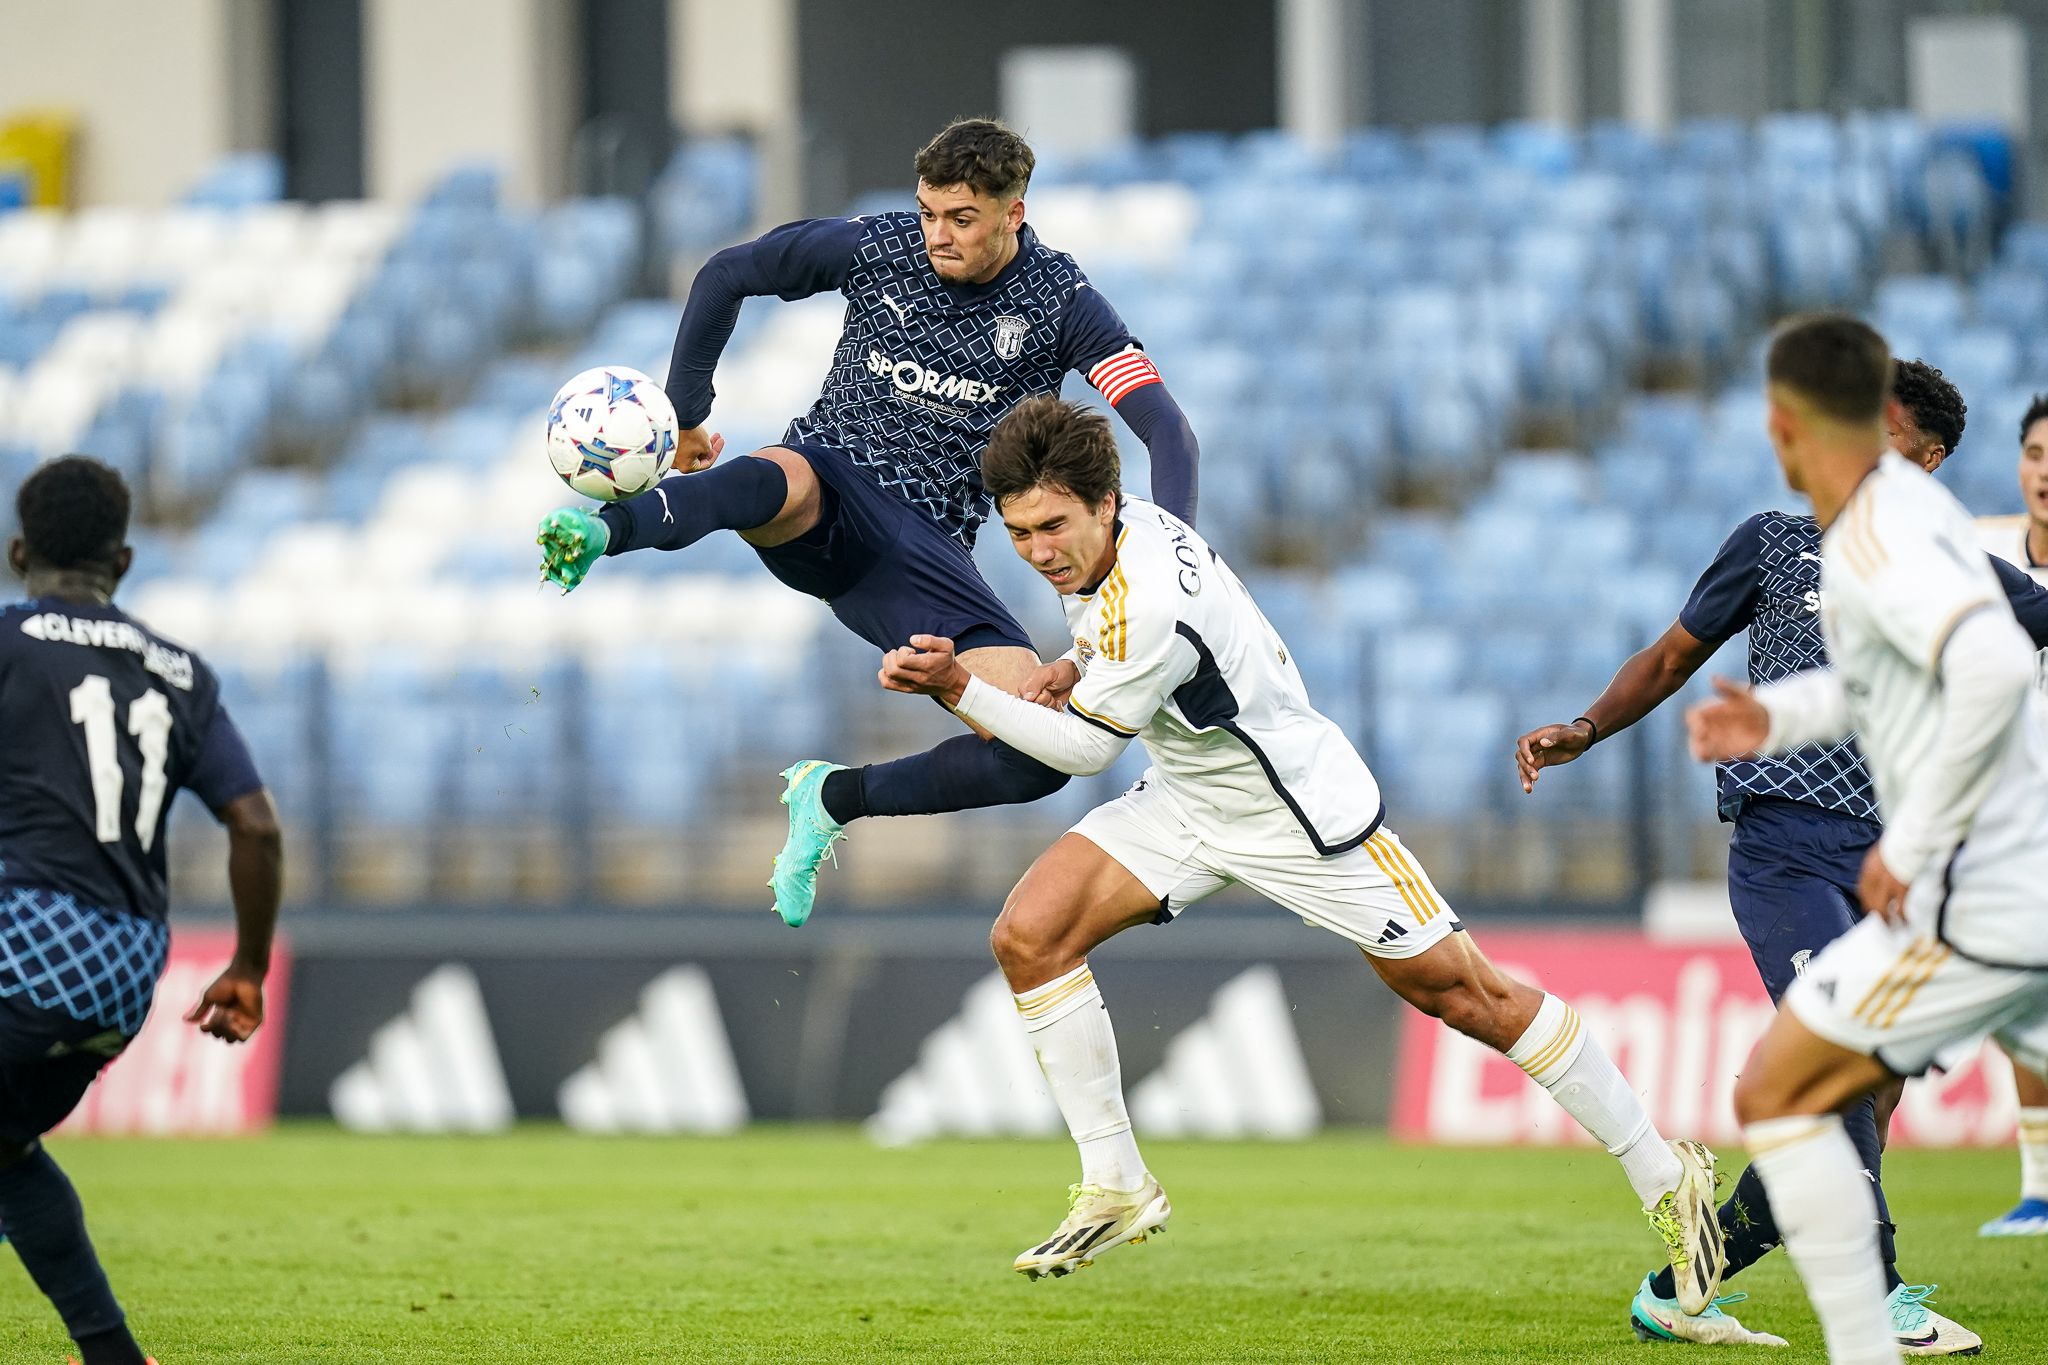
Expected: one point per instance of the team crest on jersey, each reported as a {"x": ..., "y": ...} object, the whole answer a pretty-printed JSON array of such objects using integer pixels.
[
  {"x": 1009, "y": 338},
  {"x": 1085, "y": 648}
]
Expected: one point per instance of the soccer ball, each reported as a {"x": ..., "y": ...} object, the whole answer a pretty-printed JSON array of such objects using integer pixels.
[{"x": 611, "y": 433}]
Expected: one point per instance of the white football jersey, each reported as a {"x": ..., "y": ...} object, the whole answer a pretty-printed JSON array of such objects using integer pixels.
[
  {"x": 1901, "y": 567},
  {"x": 2006, "y": 537},
  {"x": 1174, "y": 651}
]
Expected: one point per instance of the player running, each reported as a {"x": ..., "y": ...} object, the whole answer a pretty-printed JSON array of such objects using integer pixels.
[
  {"x": 105, "y": 721},
  {"x": 1804, "y": 821},
  {"x": 1248, "y": 785},
  {"x": 871, "y": 502},
  {"x": 2022, "y": 541},
  {"x": 1932, "y": 672}
]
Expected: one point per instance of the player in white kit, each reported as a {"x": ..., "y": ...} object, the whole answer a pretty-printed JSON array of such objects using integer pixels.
[
  {"x": 1250, "y": 785},
  {"x": 2022, "y": 541},
  {"x": 1933, "y": 674}
]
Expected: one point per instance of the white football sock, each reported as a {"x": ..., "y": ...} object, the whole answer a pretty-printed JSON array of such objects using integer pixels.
[
  {"x": 1828, "y": 1217},
  {"x": 1070, "y": 1031},
  {"x": 2034, "y": 1153},
  {"x": 1558, "y": 1054}
]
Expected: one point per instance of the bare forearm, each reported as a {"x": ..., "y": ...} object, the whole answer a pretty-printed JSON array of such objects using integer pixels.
[
  {"x": 1644, "y": 682},
  {"x": 256, "y": 882}
]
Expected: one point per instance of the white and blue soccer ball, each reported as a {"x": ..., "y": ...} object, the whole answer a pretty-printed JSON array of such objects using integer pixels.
[{"x": 611, "y": 433}]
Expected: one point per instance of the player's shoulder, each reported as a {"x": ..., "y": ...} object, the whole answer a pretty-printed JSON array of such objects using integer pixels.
[
  {"x": 1780, "y": 527},
  {"x": 1160, "y": 558},
  {"x": 2004, "y": 536},
  {"x": 887, "y": 240}
]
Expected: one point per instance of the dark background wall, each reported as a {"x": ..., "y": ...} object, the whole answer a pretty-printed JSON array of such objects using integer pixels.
[{"x": 881, "y": 76}]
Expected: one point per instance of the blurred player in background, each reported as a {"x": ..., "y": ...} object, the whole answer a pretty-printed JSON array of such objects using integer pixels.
[
  {"x": 1932, "y": 673},
  {"x": 1804, "y": 821},
  {"x": 1249, "y": 785},
  {"x": 104, "y": 722},
  {"x": 954, "y": 313},
  {"x": 2022, "y": 541}
]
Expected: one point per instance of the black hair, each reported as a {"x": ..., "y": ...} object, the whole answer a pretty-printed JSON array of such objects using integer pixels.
[
  {"x": 1048, "y": 441},
  {"x": 2036, "y": 410},
  {"x": 1936, "y": 404},
  {"x": 980, "y": 153},
  {"x": 73, "y": 511},
  {"x": 1838, "y": 363}
]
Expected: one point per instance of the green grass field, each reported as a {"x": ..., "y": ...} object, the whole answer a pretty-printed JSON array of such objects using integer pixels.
[{"x": 810, "y": 1244}]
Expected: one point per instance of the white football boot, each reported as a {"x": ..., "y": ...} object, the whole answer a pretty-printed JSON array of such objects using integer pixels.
[
  {"x": 1097, "y": 1220},
  {"x": 1690, "y": 1225},
  {"x": 1922, "y": 1331}
]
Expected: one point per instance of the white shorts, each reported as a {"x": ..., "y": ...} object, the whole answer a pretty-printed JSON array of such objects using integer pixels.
[
  {"x": 1376, "y": 895},
  {"x": 1907, "y": 999}
]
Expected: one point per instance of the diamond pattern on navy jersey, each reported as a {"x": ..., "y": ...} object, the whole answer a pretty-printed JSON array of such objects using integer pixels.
[
  {"x": 98, "y": 966},
  {"x": 1785, "y": 638},
  {"x": 903, "y": 325}
]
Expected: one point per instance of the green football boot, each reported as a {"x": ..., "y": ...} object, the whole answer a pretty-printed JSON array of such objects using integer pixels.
[
  {"x": 811, "y": 835},
  {"x": 571, "y": 539}
]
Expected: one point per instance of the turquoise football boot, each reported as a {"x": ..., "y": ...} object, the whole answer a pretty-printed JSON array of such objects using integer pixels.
[
  {"x": 811, "y": 835},
  {"x": 571, "y": 540},
  {"x": 1660, "y": 1319},
  {"x": 1923, "y": 1332}
]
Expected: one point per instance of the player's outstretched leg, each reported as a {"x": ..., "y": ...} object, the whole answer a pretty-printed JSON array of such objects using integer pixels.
[
  {"x": 47, "y": 1227},
  {"x": 1454, "y": 982},
  {"x": 965, "y": 772},
  {"x": 1075, "y": 897}
]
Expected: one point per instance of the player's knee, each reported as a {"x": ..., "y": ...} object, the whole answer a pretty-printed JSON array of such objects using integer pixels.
[
  {"x": 1467, "y": 1009},
  {"x": 1018, "y": 940},
  {"x": 1758, "y": 1096}
]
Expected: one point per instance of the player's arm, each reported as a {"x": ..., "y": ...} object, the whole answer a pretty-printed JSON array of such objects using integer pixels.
[
  {"x": 1059, "y": 739},
  {"x": 1934, "y": 603},
  {"x": 2029, "y": 600},
  {"x": 1098, "y": 345},
  {"x": 792, "y": 262},
  {"x": 225, "y": 778},
  {"x": 1723, "y": 602}
]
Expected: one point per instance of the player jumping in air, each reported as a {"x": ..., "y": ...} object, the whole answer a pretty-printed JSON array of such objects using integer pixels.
[
  {"x": 1249, "y": 785},
  {"x": 1932, "y": 673},
  {"x": 2022, "y": 541},
  {"x": 954, "y": 313},
  {"x": 104, "y": 723},
  {"x": 1804, "y": 821}
]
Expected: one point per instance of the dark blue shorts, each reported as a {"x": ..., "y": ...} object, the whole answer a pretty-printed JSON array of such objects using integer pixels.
[
  {"x": 1792, "y": 871},
  {"x": 47, "y": 1061},
  {"x": 885, "y": 569}
]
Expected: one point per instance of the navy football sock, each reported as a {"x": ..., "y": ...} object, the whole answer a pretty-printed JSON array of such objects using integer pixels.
[
  {"x": 1751, "y": 1231},
  {"x": 47, "y": 1227},
  {"x": 965, "y": 772},
  {"x": 675, "y": 513}
]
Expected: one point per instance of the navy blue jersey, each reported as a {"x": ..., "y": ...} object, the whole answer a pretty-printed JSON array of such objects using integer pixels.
[
  {"x": 102, "y": 723},
  {"x": 924, "y": 369},
  {"x": 1766, "y": 580}
]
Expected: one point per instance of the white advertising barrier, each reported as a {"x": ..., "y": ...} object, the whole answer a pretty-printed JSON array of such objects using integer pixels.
[{"x": 1679, "y": 1020}]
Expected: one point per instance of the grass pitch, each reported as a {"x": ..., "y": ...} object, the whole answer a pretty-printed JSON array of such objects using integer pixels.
[{"x": 810, "y": 1244}]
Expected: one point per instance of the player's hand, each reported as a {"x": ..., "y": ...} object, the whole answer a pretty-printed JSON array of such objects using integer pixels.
[
  {"x": 1049, "y": 685},
  {"x": 698, "y": 449},
  {"x": 231, "y": 1009},
  {"x": 1882, "y": 894},
  {"x": 927, "y": 666},
  {"x": 1547, "y": 747},
  {"x": 571, "y": 540},
  {"x": 1732, "y": 725}
]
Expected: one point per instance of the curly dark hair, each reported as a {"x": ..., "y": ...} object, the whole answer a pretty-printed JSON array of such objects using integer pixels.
[
  {"x": 1048, "y": 441},
  {"x": 73, "y": 511},
  {"x": 2036, "y": 410},
  {"x": 1937, "y": 407},
  {"x": 980, "y": 153}
]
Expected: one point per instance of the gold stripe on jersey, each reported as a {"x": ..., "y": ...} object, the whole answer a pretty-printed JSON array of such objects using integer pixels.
[
  {"x": 1037, "y": 1004},
  {"x": 1112, "y": 636},
  {"x": 1859, "y": 540},
  {"x": 1948, "y": 628},
  {"x": 1115, "y": 725}
]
